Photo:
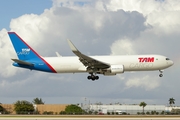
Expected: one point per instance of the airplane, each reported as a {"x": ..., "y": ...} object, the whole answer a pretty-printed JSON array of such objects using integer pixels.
[{"x": 107, "y": 65}]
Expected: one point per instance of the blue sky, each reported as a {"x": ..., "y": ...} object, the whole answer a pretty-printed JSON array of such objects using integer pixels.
[{"x": 10, "y": 9}]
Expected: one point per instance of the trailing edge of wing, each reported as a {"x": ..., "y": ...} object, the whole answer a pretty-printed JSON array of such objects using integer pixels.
[
  {"x": 22, "y": 62},
  {"x": 86, "y": 60}
]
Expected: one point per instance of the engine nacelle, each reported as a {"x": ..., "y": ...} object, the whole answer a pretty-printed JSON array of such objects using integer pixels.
[{"x": 115, "y": 69}]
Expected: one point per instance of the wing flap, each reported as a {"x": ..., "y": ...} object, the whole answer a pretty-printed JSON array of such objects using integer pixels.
[
  {"x": 22, "y": 62},
  {"x": 86, "y": 60}
]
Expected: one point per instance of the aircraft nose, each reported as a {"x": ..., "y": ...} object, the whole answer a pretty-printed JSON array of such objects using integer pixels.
[{"x": 171, "y": 63}]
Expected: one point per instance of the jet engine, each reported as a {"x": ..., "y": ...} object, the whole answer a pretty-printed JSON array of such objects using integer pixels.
[{"x": 114, "y": 69}]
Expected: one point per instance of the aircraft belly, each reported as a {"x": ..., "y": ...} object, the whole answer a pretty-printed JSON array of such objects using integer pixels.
[
  {"x": 65, "y": 64},
  {"x": 68, "y": 69}
]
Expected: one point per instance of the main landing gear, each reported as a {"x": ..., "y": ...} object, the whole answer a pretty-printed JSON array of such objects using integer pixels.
[
  {"x": 160, "y": 75},
  {"x": 93, "y": 77}
]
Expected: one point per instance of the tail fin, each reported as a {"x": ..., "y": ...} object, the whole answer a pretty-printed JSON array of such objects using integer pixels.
[
  {"x": 23, "y": 50},
  {"x": 28, "y": 58}
]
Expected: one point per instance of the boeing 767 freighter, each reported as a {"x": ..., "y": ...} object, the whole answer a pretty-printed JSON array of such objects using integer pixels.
[{"x": 106, "y": 65}]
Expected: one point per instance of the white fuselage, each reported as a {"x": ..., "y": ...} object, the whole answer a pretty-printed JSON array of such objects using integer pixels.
[
  {"x": 130, "y": 63},
  {"x": 107, "y": 65}
]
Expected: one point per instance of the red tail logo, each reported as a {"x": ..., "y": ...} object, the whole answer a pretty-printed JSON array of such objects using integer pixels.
[{"x": 146, "y": 59}]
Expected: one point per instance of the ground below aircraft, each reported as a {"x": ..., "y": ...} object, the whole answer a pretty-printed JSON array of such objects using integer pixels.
[{"x": 106, "y": 65}]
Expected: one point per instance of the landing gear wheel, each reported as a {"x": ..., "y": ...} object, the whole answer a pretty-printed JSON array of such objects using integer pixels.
[
  {"x": 89, "y": 77},
  {"x": 92, "y": 77},
  {"x": 160, "y": 75},
  {"x": 97, "y": 77}
]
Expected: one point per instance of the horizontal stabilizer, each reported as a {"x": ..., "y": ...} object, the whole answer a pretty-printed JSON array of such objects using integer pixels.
[
  {"x": 58, "y": 55},
  {"x": 22, "y": 62}
]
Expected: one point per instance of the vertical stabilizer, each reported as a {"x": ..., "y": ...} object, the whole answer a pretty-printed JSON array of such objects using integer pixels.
[
  {"x": 23, "y": 50},
  {"x": 28, "y": 58}
]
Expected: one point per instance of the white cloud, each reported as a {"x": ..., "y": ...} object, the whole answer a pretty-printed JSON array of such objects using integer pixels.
[
  {"x": 163, "y": 14},
  {"x": 30, "y": 27},
  {"x": 146, "y": 82},
  {"x": 6, "y": 53},
  {"x": 121, "y": 47}
]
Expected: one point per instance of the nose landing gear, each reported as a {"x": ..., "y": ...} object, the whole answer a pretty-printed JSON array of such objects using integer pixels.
[{"x": 160, "y": 75}]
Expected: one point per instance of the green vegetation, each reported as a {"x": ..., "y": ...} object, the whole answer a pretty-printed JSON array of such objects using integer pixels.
[
  {"x": 23, "y": 107},
  {"x": 1, "y": 109},
  {"x": 48, "y": 113},
  {"x": 73, "y": 110},
  {"x": 37, "y": 101},
  {"x": 171, "y": 101},
  {"x": 142, "y": 104},
  {"x": 62, "y": 113},
  {"x": 175, "y": 111}
]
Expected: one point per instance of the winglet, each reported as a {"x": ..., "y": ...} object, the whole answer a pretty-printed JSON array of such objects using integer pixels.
[{"x": 73, "y": 48}]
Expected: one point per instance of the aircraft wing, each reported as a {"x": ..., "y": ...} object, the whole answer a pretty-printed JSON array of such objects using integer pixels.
[
  {"x": 22, "y": 62},
  {"x": 86, "y": 60}
]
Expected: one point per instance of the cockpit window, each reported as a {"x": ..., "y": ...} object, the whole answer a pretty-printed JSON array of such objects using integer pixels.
[{"x": 167, "y": 59}]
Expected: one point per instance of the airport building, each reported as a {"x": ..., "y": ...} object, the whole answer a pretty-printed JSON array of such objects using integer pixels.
[{"x": 128, "y": 109}]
